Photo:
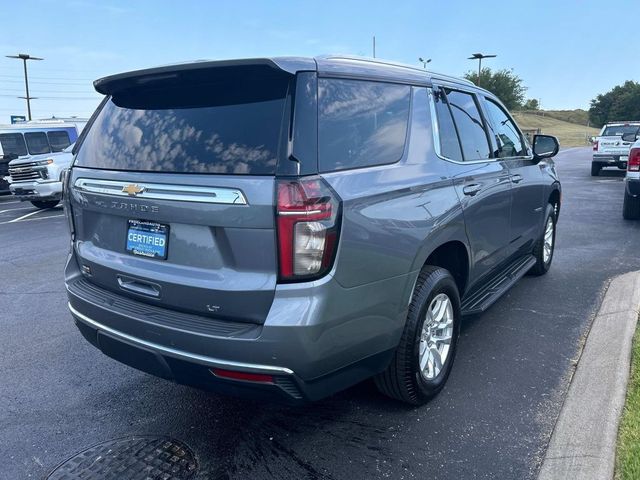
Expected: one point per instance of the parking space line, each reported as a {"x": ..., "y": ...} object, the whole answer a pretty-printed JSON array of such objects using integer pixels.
[
  {"x": 25, "y": 216},
  {"x": 32, "y": 219},
  {"x": 14, "y": 209}
]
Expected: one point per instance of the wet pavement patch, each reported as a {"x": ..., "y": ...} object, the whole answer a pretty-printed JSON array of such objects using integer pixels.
[{"x": 139, "y": 458}]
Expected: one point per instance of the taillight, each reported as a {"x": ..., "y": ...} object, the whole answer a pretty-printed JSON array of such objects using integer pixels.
[
  {"x": 633, "y": 164},
  {"x": 595, "y": 146},
  {"x": 308, "y": 219},
  {"x": 65, "y": 177}
]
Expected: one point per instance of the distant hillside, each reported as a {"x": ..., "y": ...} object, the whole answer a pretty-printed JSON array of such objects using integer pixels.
[
  {"x": 569, "y": 134},
  {"x": 579, "y": 116}
]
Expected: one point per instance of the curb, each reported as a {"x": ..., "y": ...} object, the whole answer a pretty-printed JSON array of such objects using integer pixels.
[{"x": 583, "y": 443}]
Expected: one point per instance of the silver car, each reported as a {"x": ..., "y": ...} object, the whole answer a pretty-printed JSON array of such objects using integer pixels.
[{"x": 284, "y": 228}]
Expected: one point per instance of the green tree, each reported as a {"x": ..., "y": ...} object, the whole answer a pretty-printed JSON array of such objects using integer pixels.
[
  {"x": 531, "y": 104},
  {"x": 504, "y": 84},
  {"x": 622, "y": 102}
]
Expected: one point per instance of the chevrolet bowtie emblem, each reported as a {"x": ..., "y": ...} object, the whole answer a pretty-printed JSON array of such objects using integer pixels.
[{"x": 132, "y": 189}]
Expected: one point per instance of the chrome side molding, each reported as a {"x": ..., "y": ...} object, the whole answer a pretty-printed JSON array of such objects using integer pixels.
[{"x": 162, "y": 191}]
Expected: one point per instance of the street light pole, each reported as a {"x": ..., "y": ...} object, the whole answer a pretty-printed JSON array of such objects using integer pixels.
[
  {"x": 24, "y": 57},
  {"x": 479, "y": 57}
]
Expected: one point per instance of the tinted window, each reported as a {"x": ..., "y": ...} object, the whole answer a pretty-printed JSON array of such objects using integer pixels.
[
  {"x": 619, "y": 130},
  {"x": 361, "y": 123},
  {"x": 13, "y": 144},
  {"x": 470, "y": 127},
  {"x": 59, "y": 140},
  {"x": 506, "y": 134},
  {"x": 230, "y": 126},
  {"x": 37, "y": 143},
  {"x": 449, "y": 144}
]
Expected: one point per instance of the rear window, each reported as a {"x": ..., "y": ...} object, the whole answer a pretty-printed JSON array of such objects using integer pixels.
[
  {"x": 59, "y": 140},
  {"x": 611, "y": 130},
  {"x": 361, "y": 123},
  {"x": 13, "y": 144},
  {"x": 37, "y": 143},
  {"x": 231, "y": 124}
]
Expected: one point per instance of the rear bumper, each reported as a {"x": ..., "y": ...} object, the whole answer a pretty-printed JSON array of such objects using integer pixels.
[
  {"x": 307, "y": 360},
  {"x": 609, "y": 160},
  {"x": 37, "y": 190}
]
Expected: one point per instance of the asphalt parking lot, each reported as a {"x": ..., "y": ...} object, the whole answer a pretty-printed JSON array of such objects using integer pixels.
[{"x": 59, "y": 395}]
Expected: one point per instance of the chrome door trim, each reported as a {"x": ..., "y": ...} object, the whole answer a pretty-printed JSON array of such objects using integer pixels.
[{"x": 163, "y": 191}]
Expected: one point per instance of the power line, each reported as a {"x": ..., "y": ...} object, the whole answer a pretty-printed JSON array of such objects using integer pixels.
[
  {"x": 55, "y": 98},
  {"x": 38, "y": 77}
]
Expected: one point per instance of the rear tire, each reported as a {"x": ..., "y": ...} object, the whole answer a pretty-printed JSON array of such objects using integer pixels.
[
  {"x": 630, "y": 207},
  {"x": 435, "y": 303},
  {"x": 545, "y": 246},
  {"x": 44, "y": 204},
  {"x": 595, "y": 169}
]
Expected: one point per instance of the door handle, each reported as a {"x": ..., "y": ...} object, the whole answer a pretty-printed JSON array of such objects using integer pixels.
[
  {"x": 517, "y": 178},
  {"x": 471, "y": 189}
]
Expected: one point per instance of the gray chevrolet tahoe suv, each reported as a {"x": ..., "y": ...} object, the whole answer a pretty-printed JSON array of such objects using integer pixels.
[{"x": 284, "y": 228}]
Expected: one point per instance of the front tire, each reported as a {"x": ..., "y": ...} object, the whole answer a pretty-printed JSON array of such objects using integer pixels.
[
  {"x": 424, "y": 357},
  {"x": 595, "y": 169},
  {"x": 44, "y": 204},
  {"x": 545, "y": 246},
  {"x": 630, "y": 207}
]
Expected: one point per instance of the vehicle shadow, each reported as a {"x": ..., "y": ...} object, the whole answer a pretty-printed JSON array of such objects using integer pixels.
[
  {"x": 610, "y": 173},
  {"x": 358, "y": 429}
]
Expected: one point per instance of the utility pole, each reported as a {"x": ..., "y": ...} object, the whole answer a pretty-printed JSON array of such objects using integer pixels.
[
  {"x": 374, "y": 46},
  {"x": 424, "y": 62},
  {"x": 479, "y": 57},
  {"x": 24, "y": 57}
]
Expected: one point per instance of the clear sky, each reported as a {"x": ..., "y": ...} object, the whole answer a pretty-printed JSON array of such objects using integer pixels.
[{"x": 566, "y": 51}]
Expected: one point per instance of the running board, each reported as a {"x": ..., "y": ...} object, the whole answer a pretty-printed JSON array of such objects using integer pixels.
[{"x": 479, "y": 300}]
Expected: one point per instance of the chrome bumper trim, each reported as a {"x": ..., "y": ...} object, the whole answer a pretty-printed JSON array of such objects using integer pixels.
[{"x": 180, "y": 354}]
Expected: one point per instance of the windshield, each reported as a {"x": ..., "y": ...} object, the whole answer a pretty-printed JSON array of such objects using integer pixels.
[
  {"x": 619, "y": 130},
  {"x": 231, "y": 125},
  {"x": 13, "y": 144}
]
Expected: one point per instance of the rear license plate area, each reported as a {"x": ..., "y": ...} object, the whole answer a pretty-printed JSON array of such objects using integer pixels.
[{"x": 147, "y": 239}]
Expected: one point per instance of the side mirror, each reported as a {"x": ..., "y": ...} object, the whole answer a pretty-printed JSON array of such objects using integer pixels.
[
  {"x": 592, "y": 139},
  {"x": 545, "y": 146},
  {"x": 629, "y": 137}
]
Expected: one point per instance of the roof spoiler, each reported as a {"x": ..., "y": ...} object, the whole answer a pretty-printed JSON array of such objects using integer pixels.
[{"x": 113, "y": 83}]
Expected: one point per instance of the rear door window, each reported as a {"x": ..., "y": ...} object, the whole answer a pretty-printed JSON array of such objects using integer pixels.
[
  {"x": 361, "y": 123},
  {"x": 448, "y": 137},
  {"x": 13, "y": 144},
  {"x": 470, "y": 126},
  {"x": 224, "y": 124},
  {"x": 505, "y": 132},
  {"x": 37, "y": 143},
  {"x": 59, "y": 140}
]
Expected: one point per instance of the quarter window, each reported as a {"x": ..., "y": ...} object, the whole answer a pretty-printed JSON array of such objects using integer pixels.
[
  {"x": 59, "y": 140},
  {"x": 470, "y": 126},
  {"x": 361, "y": 123},
  {"x": 507, "y": 136},
  {"x": 37, "y": 143}
]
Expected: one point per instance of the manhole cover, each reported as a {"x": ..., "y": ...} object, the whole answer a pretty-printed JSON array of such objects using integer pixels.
[{"x": 139, "y": 458}]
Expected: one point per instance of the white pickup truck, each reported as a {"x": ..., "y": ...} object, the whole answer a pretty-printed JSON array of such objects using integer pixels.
[
  {"x": 38, "y": 178},
  {"x": 609, "y": 149}
]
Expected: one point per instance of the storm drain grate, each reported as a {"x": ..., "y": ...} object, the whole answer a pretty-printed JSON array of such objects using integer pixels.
[{"x": 135, "y": 458}]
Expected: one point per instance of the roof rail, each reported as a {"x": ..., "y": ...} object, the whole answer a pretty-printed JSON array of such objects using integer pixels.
[{"x": 391, "y": 63}]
